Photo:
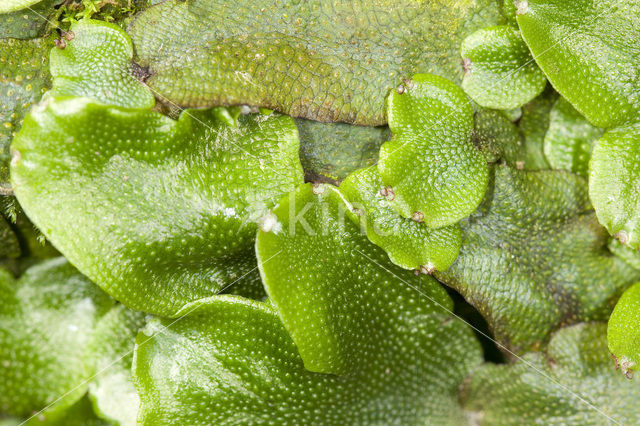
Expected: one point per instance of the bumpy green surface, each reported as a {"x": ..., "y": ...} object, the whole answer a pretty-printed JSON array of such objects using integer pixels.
[
  {"x": 499, "y": 70},
  {"x": 46, "y": 324},
  {"x": 498, "y": 138},
  {"x": 13, "y": 5},
  {"x": 589, "y": 51},
  {"x": 330, "y": 151},
  {"x": 409, "y": 244},
  {"x": 534, "y": 258},
  {"x": 431, "y": 164},
  {"x": 533, "y": 126},
  {"x": 111, "y": 389},
  {"x": 320, "y": 272},
  {"x": 97, "y": 63},
  {"x": 570, "y": 139},
  {"x": 613, "y": 183},
  {"x": 328, "y": 61},
  {"x": 573, "y": 382},
  {"x": 173, "y": 203},
  {"x": 231, "y": 361},
  {"x": 623, "y": 333},
  {"x": 26, "y": 23},
  {"x": 23, "y": 77},
  {"x": 509, "y": 10}
]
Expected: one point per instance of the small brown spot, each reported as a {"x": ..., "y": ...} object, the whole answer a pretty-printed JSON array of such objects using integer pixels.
[
  {"x": 388, "y": 193},
  {"x": 520, "y": 165},
  {"x": 428, "y": 269},
  {"x": 408, "y": 83},
  {"x": 446, "y": 321},
  {"x": 417, "y": 217},
  {"x": 60, "y": 43},
  {"x": 400, "y": 89},
  {"x": 466, "y": 66},
  {"x": 68, "y": 35},
  {"x": 125, "y": 178},
  {"x": 140, "y": 73},
  {"x": 623, "y": 237},
  {"x": 626, "y": 366}
]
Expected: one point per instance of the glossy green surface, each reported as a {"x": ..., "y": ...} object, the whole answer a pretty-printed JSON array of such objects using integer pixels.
[
  {"x": 509, "y": 10},
  {"x": 231, "y": 361},
  {"x": 327, "y": 61},
  {"x": 409, "y": 244},
  {"x": 330, "y": 312},
  {"x": 111, "y": 389},
  {"x": 613, "y": 183},
  {"x": 27, "y": 23},
  {"x": 572, "y": 382},
  {"x": 623, "y": 333},
  {"x": 96, "y": 63},
  {"x": 330, "y": 151},
  {"x": 320, "y": 271},
  {"x": 589, "y": 51},
  {"x": 433, "y": 168},
  {"x": 13, "y": 5},
  {"x": 499, "y": 70},
  {"x": 46, "y": 325},
  {"x": 534, "y": 258},
  {"x": 173, "y": 203},
  {"x": 570, "y": 139},
  {"x": 24, "y": 76}
]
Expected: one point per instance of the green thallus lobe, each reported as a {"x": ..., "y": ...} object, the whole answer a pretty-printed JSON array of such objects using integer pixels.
[
  {"x": 327, "y": 61},
  {"x": 135, "y": 166}
]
